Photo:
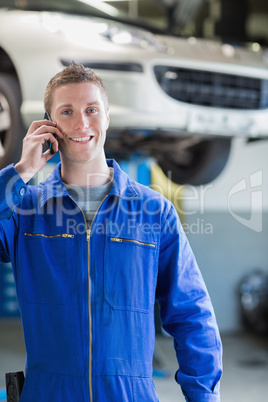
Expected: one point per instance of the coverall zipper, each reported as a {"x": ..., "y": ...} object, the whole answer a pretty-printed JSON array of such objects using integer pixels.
[
  {"x": 65, "y": 235},
  {"x": 119, "y": 240},
  {"x": 88, "y": 233}
]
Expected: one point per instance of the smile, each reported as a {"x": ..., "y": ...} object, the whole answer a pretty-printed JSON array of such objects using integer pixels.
[{"x": 81, "y": 139}]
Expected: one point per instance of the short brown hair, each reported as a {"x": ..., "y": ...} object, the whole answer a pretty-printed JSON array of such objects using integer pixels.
[{"x": 73, "y": 74}]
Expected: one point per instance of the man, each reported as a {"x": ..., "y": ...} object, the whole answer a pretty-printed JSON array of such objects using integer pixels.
[{"x": 91, "y": 250}]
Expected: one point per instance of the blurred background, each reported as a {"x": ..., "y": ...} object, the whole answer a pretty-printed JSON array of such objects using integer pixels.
[{"x": 188, "y": 89}]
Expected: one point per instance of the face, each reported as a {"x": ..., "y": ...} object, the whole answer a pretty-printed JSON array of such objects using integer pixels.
[{"x": 80, "y": 114}]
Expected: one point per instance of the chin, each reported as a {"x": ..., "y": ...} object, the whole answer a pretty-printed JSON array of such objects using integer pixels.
[{"x": 76, "y": 157}]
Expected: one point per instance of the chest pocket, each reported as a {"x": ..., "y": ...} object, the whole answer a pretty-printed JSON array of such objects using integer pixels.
[
  {"x": 130, "y": 272},
  {"x": 45, "y": 269}
]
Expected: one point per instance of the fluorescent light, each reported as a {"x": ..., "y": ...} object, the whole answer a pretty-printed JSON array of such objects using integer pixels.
[{"x": 99, "y": 5}]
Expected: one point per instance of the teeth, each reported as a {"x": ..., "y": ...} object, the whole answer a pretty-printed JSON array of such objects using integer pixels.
[{"x": 81, "y": 139}]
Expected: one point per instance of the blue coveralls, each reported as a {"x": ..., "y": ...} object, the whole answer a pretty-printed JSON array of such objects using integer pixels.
[{"x": 86, "y": 295}]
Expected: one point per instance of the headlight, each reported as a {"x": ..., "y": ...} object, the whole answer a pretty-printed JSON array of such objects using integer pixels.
[
  {"x": 133, "y": 37},
  {"x": 81, "y": 31},
  {"x": 84, "y": 31}
]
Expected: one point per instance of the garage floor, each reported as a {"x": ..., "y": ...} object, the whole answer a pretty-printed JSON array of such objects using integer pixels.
[{"x": 245, "y": 364}]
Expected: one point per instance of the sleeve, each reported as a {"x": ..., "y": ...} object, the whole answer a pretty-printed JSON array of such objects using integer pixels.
[
  {"x": 187, "y": 315},
  {"x": 12, "y": 190}
]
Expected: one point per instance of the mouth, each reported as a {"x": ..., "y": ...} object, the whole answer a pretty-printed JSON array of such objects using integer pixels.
[{"x": 82, "y": 140}]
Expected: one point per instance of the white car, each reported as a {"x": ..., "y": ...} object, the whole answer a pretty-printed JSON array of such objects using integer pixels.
[{"x": 178, "y": 100}]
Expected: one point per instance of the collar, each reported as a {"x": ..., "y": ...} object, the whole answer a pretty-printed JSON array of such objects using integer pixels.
[{"x": 123, "y": 186}]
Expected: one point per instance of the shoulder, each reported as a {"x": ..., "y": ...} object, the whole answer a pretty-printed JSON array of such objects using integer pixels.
[{"x": 152, "y": 198}]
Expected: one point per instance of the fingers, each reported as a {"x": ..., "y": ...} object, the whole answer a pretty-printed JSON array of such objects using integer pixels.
[
  {"x": 42, "y": 138},
  {"x": 47, "y": 155},
  {"x": 37, "y": 124},
  {"x": 41, "y": 131},
  {"x": 33, "y": 144},
  {"x": 48, "y": 130},
  {"x": 43, "y": 127}
]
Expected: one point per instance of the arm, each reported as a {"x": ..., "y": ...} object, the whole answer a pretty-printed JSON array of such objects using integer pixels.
[
  {"x": 13, "y": 181},
  {"x": 13, "y": 189},
  {"x": 187, "y": 315}
]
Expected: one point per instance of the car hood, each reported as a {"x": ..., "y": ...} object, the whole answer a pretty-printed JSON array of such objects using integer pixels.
[
  {"x": 209, "y": 51},
  {"x": 176, "y": 51}
]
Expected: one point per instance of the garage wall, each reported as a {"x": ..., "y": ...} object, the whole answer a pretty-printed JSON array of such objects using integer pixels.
[{"x": 227, "y": 225}]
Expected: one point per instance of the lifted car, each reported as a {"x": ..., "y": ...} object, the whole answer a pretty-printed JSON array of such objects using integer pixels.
[{"x": 179, "y": 100}]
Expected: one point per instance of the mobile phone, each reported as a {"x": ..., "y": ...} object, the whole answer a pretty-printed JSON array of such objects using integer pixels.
[{"x": 47, "y": 117}]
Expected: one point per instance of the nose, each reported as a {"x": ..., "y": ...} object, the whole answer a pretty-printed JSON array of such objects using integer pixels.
[{"x": 81, "y": 122}]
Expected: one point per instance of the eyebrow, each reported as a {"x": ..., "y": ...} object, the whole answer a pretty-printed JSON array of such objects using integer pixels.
[{"x": 70, "y": 105}]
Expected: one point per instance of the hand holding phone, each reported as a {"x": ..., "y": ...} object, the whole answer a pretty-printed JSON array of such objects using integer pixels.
[
  {"x": 33, "y": 157},
  {"x": 47, "y": 117}
]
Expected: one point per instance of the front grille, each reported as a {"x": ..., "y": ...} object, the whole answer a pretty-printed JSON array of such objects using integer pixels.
[{"x": 212, "y": 89}]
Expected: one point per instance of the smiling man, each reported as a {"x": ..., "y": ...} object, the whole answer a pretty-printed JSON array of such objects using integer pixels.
[
  {"x": 91, "y": 251},
  {"x": 80, "y": 114},
  {"x": 82, "y": 117}
]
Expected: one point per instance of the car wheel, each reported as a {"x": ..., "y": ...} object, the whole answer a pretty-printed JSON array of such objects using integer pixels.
[
  {"x": 11, "y": 126},
  {"x": 201, "y": 163}
]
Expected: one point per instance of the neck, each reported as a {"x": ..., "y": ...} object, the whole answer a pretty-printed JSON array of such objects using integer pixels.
[{"x": 89, "y": 174}]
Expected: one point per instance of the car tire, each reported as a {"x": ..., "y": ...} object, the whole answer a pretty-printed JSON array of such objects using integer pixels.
[
  {"x": 11, "y": 126},
  {"x": 206, "y": 159}
]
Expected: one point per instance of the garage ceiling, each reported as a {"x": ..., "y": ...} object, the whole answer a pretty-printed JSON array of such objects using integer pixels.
[{"x": 231, "y": 20}]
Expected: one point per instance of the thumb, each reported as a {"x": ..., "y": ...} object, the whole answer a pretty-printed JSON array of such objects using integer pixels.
[{"x": 47, "y": 155}]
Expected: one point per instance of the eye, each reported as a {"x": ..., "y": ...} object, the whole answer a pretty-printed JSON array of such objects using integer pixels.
[
  {"x": 66, "y": 112},
  {"x": 92, "y": 110}
]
